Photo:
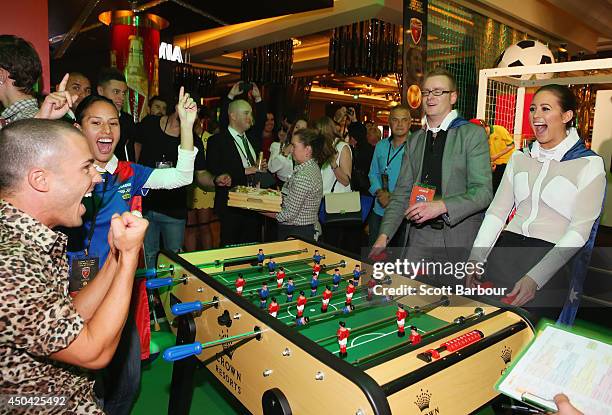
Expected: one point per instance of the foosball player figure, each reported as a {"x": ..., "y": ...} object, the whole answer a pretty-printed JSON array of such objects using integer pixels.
[
  {"x": 401, "y": 315},
  {"x": 336, "y": 279},
  {"x": 348, "y": 308},
  {"x": 343, "y": 335},
  {"x": 273, "y": 307},
  {"x": 415, "y": 337},
  {"x": 314, "y": 284},
  {"x": 260, "y": 258},
  {"x": 350, "y": 290},
  {"x": 357, "y": 274},
  {"x": 316, "y": 269},
  {"x": 240, "y": 283},
  {"x": 316, "y": 258},
  {"x": 280, "y": 277},
  {"x": 301, "y": 321},
  {"x": 327, "y": 295},
  {"x": 290, "y": 289},
  {"x": 264, "y": 292},
  {"x": 371, "y": 284},
  {"x": 272, "y": 267},
  {"x": 301, "y": 303}
]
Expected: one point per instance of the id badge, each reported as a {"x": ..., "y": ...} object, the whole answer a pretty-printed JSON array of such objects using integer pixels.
[
  {"x": 384, "y": 179},
  {"x": 422, "y": 193},
  {"x": 82, "y": 271}
]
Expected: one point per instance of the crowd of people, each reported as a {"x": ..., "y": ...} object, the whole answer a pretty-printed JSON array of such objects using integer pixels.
[{"x": 78, "y": 165}]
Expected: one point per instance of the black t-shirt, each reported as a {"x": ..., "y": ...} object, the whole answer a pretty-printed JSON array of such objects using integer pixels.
[
  {"x": 127, "y": 138},
  {"x": 432, "y": 161},
  {"x": 159, "y": 148}
]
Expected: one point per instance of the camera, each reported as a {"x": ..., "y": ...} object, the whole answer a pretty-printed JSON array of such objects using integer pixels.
[{"x": 246, "y": 87}]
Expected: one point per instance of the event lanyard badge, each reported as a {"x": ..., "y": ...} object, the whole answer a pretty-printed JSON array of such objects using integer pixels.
[
  {"x": 84, "y": 268},
  {"x": 422, "y": 193}
]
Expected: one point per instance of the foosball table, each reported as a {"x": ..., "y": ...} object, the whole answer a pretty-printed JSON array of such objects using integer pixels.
[{"x": 333, "y": 345}]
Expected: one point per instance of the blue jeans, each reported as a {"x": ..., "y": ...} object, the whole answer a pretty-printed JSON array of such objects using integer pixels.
[
  {"x": 172, "y": 231},
  {"x": 121, "y": 378}
]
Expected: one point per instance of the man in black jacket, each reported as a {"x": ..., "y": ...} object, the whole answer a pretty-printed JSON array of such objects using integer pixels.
[{"x": 231, "y": 152}]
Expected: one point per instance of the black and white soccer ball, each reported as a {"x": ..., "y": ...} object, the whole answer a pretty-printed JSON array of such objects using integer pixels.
[{"x": 526, "y": 53}]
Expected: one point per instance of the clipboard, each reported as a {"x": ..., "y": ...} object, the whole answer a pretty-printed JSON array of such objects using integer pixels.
[{"x": 545, "y": 367}]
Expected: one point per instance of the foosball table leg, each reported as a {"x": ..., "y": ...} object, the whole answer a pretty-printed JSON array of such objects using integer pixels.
[{"x": 183, "y": 370}]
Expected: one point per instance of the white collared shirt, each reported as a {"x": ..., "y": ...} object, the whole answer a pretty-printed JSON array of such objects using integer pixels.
[
  {"x": 446, "y": 122},
  {"x": 239, "y": 146},
  {"x": 557, "y": 152}
]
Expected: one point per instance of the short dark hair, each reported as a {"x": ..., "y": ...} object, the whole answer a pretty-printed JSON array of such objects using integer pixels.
[
  {"x": 87, "y": 102},
  {"x": 19, "y": 58},
  {"x": 110, "y": 74},
  {"x": 26, "y": 142},
  {"x": 157, "y": 98},
  {"x": 567, "y": 99},
  {"x": 440, "y": 71}
]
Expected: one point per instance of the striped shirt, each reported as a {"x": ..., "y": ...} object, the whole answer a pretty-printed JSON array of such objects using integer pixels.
[{"x": 302, "y": 195}]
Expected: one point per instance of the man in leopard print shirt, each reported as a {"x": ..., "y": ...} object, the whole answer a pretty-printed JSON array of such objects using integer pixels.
[{"x": 47, "y": 338}]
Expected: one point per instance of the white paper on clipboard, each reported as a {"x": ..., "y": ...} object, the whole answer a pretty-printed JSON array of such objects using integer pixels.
[{"x": 559, "y": 361}]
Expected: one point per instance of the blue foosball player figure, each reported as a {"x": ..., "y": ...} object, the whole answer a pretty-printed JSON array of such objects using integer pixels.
[
  {"x": 272, "y": 267},
  {"x": 316, "y": 258},
  {"x": 336, "y": 279},
  {"x": 301, "y": 321},
  {"x": 314, "y": 284},
  {"x": 264, "y": 292},
  {"x": 290, "y": 289},
  {"x": 357, "y": 274},
  {"x": 260, "y": 257}
]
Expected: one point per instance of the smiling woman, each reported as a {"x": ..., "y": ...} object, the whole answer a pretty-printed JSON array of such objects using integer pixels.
[{"x": 557, "y": 187}]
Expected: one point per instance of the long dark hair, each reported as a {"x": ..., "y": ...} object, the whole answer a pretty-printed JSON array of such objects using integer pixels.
[
  {"x": 567, "y": 99},
  {"x": 79, "y": 112},
  {"x": 320, "y": 151}
]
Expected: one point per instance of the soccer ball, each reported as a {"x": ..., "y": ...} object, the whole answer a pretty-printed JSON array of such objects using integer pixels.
[{"x": 526, "y": 53}]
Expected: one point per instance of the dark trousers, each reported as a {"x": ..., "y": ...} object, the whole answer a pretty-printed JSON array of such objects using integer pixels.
[
  {"x": 498, "y": 173},
  {"x": 239, "y": 226},
  {"x": 121, "y": 378},
  {"x": 305, "y": 231},
  {"x": 374, "y": 222}
]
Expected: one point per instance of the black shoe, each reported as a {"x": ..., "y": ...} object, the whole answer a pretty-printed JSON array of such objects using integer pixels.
[
  {"x": 323, "y": 310},
  {"x": 401, "y": 333},
  {"x": 343, "y": 355}
]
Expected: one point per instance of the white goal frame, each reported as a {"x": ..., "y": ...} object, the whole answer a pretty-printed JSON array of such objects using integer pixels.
[{"x": 593, "y": 71}]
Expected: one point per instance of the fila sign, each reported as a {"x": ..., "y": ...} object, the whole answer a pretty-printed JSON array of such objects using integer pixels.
[{"x": 170, "y": 52}]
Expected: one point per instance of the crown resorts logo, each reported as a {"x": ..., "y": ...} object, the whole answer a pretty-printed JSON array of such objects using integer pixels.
[
  {"x": 423, "y": 400},
  {"x": 227, "y": 347},
  {"x": 506, "y": 355}
]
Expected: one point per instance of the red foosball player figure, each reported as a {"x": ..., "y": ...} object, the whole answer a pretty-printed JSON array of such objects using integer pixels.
[
  {"x": 371, "y": 284},
  {"x": 401, "y": 315},
  {"x": 415, "y": 337},
  {"x": 316, "y": 269},
  {"x": 240, "y": 283},
  {"x": 301, "y": 303},
  {"x": 350, "y": 290},
  {"x": 327, "y": 295},
  {"x": 280, "y": 277},
  {"x": 343, "y": 335},
  {"x": 273, "y": 307}
]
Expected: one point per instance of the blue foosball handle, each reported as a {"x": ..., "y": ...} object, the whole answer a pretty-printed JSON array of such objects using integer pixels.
[
  {"x": 159, "y": 283},
  {"x": 174, "y": 353},
  {"x": 150, "y": 273},
  {"x": 180, "y": 309}
]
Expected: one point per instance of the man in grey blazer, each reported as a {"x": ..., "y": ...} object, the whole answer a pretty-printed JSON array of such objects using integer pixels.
[{"x": 451, "y": 155}]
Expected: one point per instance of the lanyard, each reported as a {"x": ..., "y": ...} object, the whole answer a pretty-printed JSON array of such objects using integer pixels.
[
  {"x": 96, "y": 210},
  {"x": 243, "y": 151},
  {"x": 394, "y": 155}
]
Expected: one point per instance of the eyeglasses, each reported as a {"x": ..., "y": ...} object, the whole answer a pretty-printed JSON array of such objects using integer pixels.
[{"x": 435, "y": 92}]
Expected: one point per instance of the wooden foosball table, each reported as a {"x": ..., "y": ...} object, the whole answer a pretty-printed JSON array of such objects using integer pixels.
[{"x": 287, "y": 358}]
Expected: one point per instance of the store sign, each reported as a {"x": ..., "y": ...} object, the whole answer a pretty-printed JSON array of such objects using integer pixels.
[{"x": 170, "y": 52}]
